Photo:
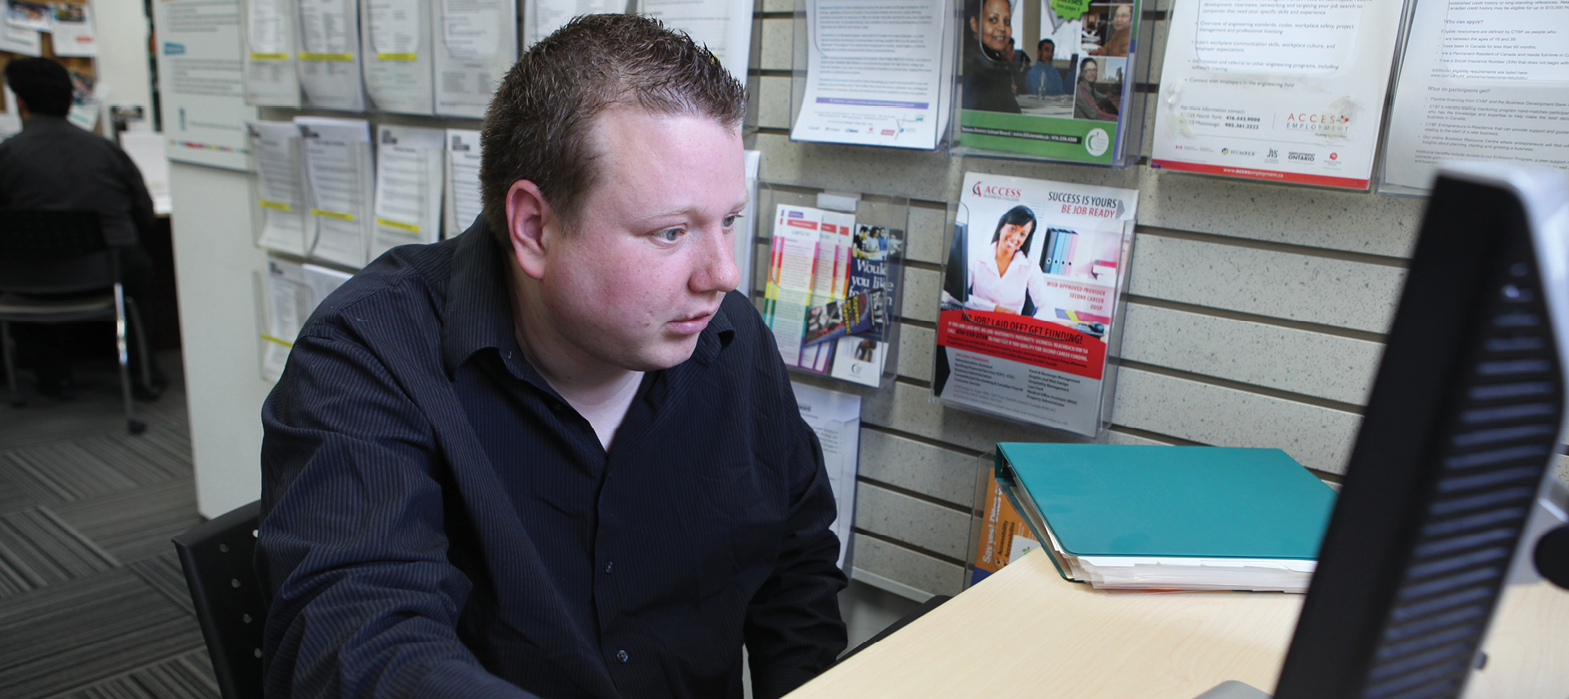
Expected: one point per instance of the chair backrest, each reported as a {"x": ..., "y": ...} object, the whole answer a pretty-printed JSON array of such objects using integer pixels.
[
  {"x": 230, "y": 604},
  {"x": 54, "y": 252}
]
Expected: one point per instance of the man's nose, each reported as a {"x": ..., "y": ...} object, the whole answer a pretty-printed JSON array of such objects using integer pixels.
[{"x": 717, "y": 269}]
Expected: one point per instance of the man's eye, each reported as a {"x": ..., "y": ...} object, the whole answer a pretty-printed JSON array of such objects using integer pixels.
[
  {"x": 731, "y": 219},
  {"x": 670, "y": 235}
]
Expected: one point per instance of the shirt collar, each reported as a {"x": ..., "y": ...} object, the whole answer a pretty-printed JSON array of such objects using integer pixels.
[
  {"x": 479, "y": 310},
  {"x": 45, "y": 122}
]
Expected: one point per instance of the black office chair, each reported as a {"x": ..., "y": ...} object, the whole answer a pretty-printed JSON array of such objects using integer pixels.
[
  {"x": 230, "y": 604},
  {"x": 45, "y": 254}
]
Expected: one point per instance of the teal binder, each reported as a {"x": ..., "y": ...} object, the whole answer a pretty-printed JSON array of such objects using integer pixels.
[{"x": 1166, "y": 502}]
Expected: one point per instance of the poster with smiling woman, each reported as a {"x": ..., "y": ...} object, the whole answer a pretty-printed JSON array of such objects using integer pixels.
[
  {"x": 1059, "y": 91},
  {"x": 1031, "y": 300}
]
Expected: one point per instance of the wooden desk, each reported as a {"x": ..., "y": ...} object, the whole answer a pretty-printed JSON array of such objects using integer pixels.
[{"x": 1026, "y": 632}]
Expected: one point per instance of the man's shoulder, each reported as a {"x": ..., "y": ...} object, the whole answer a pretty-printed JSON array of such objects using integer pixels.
[{"x": 408, "y": 281}]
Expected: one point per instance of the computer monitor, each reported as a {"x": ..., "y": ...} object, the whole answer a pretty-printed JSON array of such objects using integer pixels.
[{"x": 1454, "y": 448}]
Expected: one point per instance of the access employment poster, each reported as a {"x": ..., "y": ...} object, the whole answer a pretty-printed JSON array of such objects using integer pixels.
[
  {"x": 1030, "y": 298},
  {"x": 1480, "y": 80},
  {"x": 1287, "y": 91}
]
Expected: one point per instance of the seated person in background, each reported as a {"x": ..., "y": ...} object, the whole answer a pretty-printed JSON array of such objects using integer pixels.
[
  {"x": 53, "y": 165},
  {"x": 1121, "y": 33},
  {"x": 1088, "y": 102},
  {"x": 556, "y": 455},
  {"x": 1043, "y": 80}
]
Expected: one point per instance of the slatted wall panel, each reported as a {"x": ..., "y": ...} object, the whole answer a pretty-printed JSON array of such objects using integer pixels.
[{"x": 1255, "y": 318}]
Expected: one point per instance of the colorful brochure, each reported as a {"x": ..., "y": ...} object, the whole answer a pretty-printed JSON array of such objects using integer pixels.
[{"x": 1030, "y": 299}]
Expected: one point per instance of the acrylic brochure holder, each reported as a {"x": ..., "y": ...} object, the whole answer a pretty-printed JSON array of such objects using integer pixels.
[
  {"x": 1052, "y": 361},
  {"x": 1092, "y": 114},
  {"x": 330, "y": 234},
  {"x": 278, "y": 211},
  {"x": 828, "y": 280}
]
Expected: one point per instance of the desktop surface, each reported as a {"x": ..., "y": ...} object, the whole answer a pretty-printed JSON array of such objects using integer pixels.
[{"x": 1026, "y": 632}]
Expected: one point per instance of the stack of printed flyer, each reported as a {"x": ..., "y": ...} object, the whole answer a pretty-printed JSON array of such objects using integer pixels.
[
  {"x": 1030, "y": 304},
  {"x": 832, "y": 291}
]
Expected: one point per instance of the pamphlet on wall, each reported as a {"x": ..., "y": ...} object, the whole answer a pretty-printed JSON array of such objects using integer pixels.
[
  {"x": 271, "y": 77},
  {"x": 201, "y": 82},
  {"x": 836, "y": 419},
  {"x": 20, "y": 40},
  {"x": 74, "y": 34},
  {"x": 293, "y": 293},
  {"x": 409, "y": 165},
  {"x": 877, "y": 75},
  {"x": 279, "y": 194},
  {"x": 1003, "y": 534},
  {"x": 475, "y": 44},
  {"x": 330, "y": 54},
  {"x": 724, "y": 26},
  {"x": 340, "y": 186},
  {"x": 29, "y": 15},
  {"x": 1030, "y": 300},
  {"x": 396, "y": 46},
  {"x": 832, "y": 292},
  {"x": 1069, "y": 97},
  {"x": 1479, "y": 81},
  {"x": 463, "y": 203},
  {"x": 1290, "y": 93}
]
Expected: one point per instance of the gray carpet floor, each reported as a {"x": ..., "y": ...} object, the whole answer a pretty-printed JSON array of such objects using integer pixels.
[{"x": 92, "y": 600}]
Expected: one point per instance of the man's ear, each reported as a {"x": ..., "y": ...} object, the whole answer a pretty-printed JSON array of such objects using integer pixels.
[{"x": 531, "y": 226}]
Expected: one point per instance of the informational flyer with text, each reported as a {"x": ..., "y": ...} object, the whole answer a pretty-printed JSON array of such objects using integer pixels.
[
  {"x": 1480, "y": 80},
  {"x": 1030, "y": 298},
  {"x": 1287, "y": 91}
]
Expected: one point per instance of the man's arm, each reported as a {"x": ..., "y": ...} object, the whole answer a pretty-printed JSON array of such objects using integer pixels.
[
  {"x": 793, "y": 627},
  {"x": 351, "y": 544}
]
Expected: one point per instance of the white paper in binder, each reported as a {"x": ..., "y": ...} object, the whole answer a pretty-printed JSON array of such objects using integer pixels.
[
  {"x": 340, "y": 184},
  {"x": 409, "y": 165},
  {"x": 396, "y": 50},
  {"x": 463, "y": 203}
]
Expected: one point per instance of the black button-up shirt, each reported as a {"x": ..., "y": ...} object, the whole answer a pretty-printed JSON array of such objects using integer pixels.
[{"x": 438, "y": 521}]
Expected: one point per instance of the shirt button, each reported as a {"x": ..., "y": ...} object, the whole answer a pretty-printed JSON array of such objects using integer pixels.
[
  {"x": 622, "y": 656},
  {"x": 608, "y": 566}
]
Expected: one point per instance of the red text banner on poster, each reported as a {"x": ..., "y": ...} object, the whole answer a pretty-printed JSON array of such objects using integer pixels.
[{"x": 1022, "y": 339}]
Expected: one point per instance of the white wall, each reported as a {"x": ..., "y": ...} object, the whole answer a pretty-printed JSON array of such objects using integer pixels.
[
  {"x": 122, "y": 53},
  {"x": 217, "y": 266}
]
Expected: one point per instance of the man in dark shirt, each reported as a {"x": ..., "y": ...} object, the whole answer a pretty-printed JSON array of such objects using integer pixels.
[
  {"x": 556, "y": 456},
  {"x": 53, "y": 165}
]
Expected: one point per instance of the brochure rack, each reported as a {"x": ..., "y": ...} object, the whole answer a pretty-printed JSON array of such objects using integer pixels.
[
  {"x": 278, "y": 209},
  {"x": 831, "y": 275},
  {"x": 1093, "y": 116},
  {"x": 1036, "y": 343}
]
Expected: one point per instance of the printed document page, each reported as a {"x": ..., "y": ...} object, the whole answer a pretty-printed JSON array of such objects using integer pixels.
[
  {"x": 271, "y": 78},
  {"x": 330, "y": 54},
  {"x": 1289, "y": 91},
  {"x": 397, "y": 53},
  {"x": 20, "y": 40},
  {"x": 340, "y": 184},
  {"x": 836, "y": 419},
  {"x": 877, "y": 74},
  {"x": 275, "y": 146},
  {"x": 541, "y": 18},
  {"x": 475, "y": 44},
  {"x": 724, "y": 26},
  {"x": 409, "y": 164},
  {"x": 201, "y": 82},
  {"x": 1480, "y": 80},
  {"x": 463, "y": 203},
  {"x": 290, "y": 302}
]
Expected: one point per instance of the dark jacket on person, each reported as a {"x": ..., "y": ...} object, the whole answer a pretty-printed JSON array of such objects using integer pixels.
[{"x": 53, "y": 165}]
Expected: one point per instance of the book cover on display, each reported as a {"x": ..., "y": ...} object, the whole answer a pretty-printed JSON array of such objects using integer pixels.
[
  {"x": 830, "y": 297},
  {"x": 1030, "y": 305},
  {"x": 1066, "y": 96}
]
